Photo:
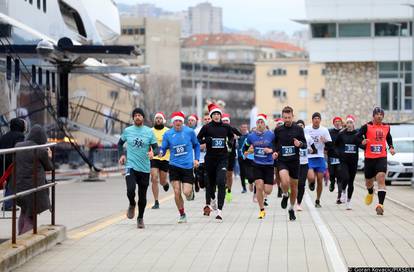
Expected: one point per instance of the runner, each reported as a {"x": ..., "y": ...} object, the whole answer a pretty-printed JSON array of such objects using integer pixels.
[
  {"x": 317, "y": 164},
  {"x": 263, "y": 170},
  {"x": 375, "y": 135},
  {"x": 289, "y": 138},
  {"x": 347, "y": 143},
  {"x": 244, "y": 130},
  {"x": 192, "y": 121},
  {"x": 231, "y": 158},
  {"x": 141, "y": 148},
  {"x": 333, "y": 160},
  {"x": 304, "y": 168},
  {"x": 278, "y": 122},
  {"x": 217, "y": 137},
  {"x": 185, "y": 153},
  {"x": 159, "y": 166}
]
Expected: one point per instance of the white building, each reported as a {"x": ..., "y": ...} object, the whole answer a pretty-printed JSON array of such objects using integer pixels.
[
  {"x": 205, "y": 19},
  {"x": 362, "y": 42}
]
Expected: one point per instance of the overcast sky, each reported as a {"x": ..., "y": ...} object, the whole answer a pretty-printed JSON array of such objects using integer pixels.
[{"x": 263, "y": 15}]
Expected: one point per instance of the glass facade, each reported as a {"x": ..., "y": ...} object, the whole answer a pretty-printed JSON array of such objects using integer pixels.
[
  {"x": 323, "y": 30},
  {"x": 354, "y": 30}
]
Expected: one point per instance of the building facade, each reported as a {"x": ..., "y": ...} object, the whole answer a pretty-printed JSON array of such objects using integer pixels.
[
  {"x": 362, "y": 44},
  {"x": 204, "y": 18},
  {"x": 290, "y": 82}
]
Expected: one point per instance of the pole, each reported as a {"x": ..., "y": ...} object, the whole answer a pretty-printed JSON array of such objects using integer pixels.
[
  {"x": 399, "y": 75},
  {"x": 192, "y": 83},
  {"x": 412, "y": 73}
]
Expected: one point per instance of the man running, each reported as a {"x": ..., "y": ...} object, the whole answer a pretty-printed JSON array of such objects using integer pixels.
[
  {"x": 262, "y": 141},
  {"x": 185, "y": 153},
  {"x": 375, "y": 135},
  {"x": 159, "y": 166},
  {"x": 141, "y": 148},
  {"x": 289, "y": 138},
  {"x": 333, "y": 160},
  {"x": 347, "y": 144},
  {"x": 303, "y": 168},
  {"x": 317, "y": 164},
  {"x": 217, "y": 137},
  {"x": 244, "y": 130}
]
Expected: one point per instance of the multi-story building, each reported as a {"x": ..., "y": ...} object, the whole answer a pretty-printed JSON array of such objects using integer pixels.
[
  {"x": 291, "y": 82},
  {"x": 362, "y": 44},
  {"x": 224, "y": 63},
  {"x": 204, "y": 18}
]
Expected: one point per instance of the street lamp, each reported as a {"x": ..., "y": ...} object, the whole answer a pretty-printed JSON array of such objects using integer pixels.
[{"x": 399, "y": 73}]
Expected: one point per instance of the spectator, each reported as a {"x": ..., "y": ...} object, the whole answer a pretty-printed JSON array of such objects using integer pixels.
[{"x": 24, "y": 177}]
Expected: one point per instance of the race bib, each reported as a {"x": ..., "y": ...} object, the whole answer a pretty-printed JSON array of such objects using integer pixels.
[
  {"x": 179, "y": 150},
  {"x": 259, "y": 152},
  {"x": 334, "y": 160},
  {"x": 376, "y": 149},
  {"x": 288, "y": 151},
  {"x": 218, "y": 143},
  {"x": 350, "y": 149},
  {"x": 303, "y": 152}
]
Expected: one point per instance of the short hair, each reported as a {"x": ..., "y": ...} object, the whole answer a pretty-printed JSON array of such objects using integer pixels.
[{"x": 287, "y": 109}]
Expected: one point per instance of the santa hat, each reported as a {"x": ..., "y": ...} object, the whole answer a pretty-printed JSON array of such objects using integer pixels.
[
  {"x": 279, "y": 121},
  {"x": 193, "y": 116},
  {"x": 162, "y": 115},
  {"x": 351, "y": 118},
  {"x": 225, "y": 117},
  {"x": 336, "y": 118},
  {"x": 212, "y": 108},
  {"x": 178, "y": 115},
  {"x": 261, "y": 116}
]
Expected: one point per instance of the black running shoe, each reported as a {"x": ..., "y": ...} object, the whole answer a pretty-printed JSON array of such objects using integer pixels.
[
  {"x": 166, "y": 187},
  {"x": 156, "y": 205},
  {"x": 332, "y": 186},
  {"x": 284, "y": 201},
  {"x": 338, "y": 201},
  {"x": 131, "y": 211},
  {"x": 292, "y": 216},
  {"x": 140, "y": 223},
  {"x": 318, "y": 204},
  {"x": 312, "y": 186}
]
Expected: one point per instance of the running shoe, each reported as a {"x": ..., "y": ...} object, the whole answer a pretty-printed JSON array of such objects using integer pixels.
[
  {"x": 318, "y": 204},
  {"x": 244, "y": 191},
  {"x": 343, "y": 197},
  {"x": 380, "y": 209},
  {"x": 284, "y": 201},
  {"x": 312, "y": 186},
  {"x": 166, "y": 187},
  {"x": 206, "y": 211},
  {"x": 332, "y": 186},
  {"x": 140, "y": 223},
  {"x": 156, "y": 205},
  {"x": 131, "y": 212},
  {"x": 338, "y": 201},
  {"x": 348, "y": 205},
  {"x": 369, "y": 198},
  {"x": 182, "y": 219},
  {"x": 262, "y": 214},
  {"x": 214, "y": 204},
  {"x": 229, "y": 196},
  {"x": 219, "y": 217},
  {"x": 299, "y": 208},
  {"x": 292, "y": 216},
  {"x": 265, "y": 202}
]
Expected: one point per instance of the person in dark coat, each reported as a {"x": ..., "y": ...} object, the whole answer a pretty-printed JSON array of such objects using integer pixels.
[
  {"x": 24, "y": 177},
  {"x": 9, "y": 140}
]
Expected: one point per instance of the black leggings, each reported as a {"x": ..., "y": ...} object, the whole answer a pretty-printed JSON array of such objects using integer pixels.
[
  {"x": 303, "y": 174},
  {"x": 242, "y": 166},
  {"x": 334, "y": 176},
  {"x": 216, "y": 171},
  {"x": 141, "y": 179},
  {"x": 348, "y": 173}
]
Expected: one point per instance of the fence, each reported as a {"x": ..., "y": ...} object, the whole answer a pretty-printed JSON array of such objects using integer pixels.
[{"x": 14, "y": 196}]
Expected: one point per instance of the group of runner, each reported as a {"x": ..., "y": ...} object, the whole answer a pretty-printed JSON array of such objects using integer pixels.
[{"x": 203, "y": 157}]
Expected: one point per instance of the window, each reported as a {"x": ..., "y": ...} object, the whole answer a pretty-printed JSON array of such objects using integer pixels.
[
  {"x": 391, "y": 29},
  {"x": 303, "y": 72},
  {"x": 303, "y": 93},
  {"x": 130, "y": 31},
  {"x": 136, "y": 31},
  {"x": 279, "y": 93},
  {"x": 124, "y": 31},
  {"x": 323, "y": 93},
  {"x": 323, "y": 30},
  {"x": 354, "y": 30},
  {"x": 278, "y": 72},
  {"x": 323, "y": 71}
]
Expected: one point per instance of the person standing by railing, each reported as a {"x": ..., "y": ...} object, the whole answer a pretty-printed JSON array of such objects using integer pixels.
[{"x": 29, "y": 165}]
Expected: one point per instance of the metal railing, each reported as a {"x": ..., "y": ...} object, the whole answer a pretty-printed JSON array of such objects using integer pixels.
[{"x": 14, "y": 196}]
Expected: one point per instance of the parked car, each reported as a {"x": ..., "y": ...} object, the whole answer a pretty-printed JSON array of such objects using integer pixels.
[{"x": 400, "y": 166}]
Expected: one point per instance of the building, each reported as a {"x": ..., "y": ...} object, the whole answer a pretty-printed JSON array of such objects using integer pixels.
[
  {"x": 291, "y": 81},
  {"x": 362, "y": 43},
  {"x": 225, "y": 64},
  {"x": 205, "y": 19},
  {"x": 159, "y": 40}
]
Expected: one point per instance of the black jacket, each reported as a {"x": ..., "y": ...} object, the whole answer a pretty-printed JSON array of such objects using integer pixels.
[
  {"x": 284, "y": 136},
  {"x": 9, "y": 140},
  {"x": 218, "y": 137},
  {"x": 347, "y": 144}
]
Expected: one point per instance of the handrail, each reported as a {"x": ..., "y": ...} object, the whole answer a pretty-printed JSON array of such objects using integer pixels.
[
  {"x": 27, "y": 192},
  {"x": 24, "y": 148}
]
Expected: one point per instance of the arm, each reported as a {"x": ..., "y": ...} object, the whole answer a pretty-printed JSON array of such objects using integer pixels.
[
  {"x": 45, "y": 160},
  {"x": 302, "y": 138},
  {"x": 362, "y": 134},
  {"x": 121, "y": 147},
  {"x": 389, "y": 139},
  {"x": 196, "y": 146},
  {"x": 164, "y": 146},
  {"x": 155, "y": 149},
  {"x": 236, "y": 132}
]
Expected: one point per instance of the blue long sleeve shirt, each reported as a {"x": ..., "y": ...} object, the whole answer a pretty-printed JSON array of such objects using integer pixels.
[
  {"x": 260, "y": 141},
  {"x": 183, "y": 146}
]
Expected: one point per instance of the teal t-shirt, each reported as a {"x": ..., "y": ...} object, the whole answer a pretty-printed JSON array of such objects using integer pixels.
[{"x": 138, "y": 141}]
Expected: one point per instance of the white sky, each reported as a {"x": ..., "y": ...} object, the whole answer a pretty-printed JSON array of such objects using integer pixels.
[{"x": 263, "y": 15}]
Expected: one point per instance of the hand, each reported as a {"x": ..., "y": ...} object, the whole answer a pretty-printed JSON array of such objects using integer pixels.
[
  {"x": 251, "y": 149},
  {"x": 196, "y": 164},
  {"x": 150, "y": 154},
  {"x": 246, "y": 153},
  {"x": 275, "y": 155},
  {"x": 267, "y": 150},
  {"x": 310, "y": 150},
  {"x": 203, "y": 147},
  {"x": 392, "y": 151},
  {"x": 296, "y": 142},
  {"x": 49, "y": 153},
  {"x": 364, "y": 142},
  {"x": 122, "y": 160},
  {"x": 322, "y": 139},
  {"x": 160, "y": 154}
]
